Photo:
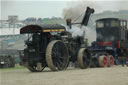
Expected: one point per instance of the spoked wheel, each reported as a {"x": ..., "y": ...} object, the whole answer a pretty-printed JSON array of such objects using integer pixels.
[
  {"x": 102, "y": 61},
  {"x": 83, "y": 58},
  {"x": 57, "y": 55},
  {"x": 110, "y": 61},
  {"x": 35, "y": 68}
]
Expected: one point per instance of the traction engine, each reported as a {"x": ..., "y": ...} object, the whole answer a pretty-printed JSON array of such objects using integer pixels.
[{"x": 54, "y": 47}]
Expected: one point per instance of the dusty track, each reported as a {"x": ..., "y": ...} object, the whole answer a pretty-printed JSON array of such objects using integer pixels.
[{"x": 116, "y": 75}]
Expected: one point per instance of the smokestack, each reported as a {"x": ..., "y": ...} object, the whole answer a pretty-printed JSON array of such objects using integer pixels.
[
  {"x": 88, "y": 12},
  {"x": 68, "y": 22}
]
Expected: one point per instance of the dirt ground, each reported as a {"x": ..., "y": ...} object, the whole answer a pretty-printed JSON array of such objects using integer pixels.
[{"x": 116, "y": 75}]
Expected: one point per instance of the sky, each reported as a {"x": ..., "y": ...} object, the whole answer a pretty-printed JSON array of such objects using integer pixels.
[
  {"x": 31, "y": 9},
  {"x": 49, "y": 8}
]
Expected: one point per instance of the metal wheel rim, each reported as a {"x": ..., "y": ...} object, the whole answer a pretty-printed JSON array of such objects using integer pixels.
[
  {"x": 111, "y": 61},
  {"x": 57, "y": 55},
  {"x": 105, "y": 61}
]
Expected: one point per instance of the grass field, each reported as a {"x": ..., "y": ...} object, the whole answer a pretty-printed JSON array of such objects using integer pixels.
[{"x": 17, "y": 66}]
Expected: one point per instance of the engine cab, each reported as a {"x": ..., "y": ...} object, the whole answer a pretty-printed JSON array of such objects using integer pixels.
[
  {"x": 113, "y": 32},
  {"x": 108, "y": 30}
]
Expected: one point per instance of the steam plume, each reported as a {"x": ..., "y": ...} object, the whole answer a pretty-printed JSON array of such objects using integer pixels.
[{"x": 76, "y": 13}]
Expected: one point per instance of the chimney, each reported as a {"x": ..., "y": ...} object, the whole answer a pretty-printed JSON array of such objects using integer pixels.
[
  {"x": 88, "y": 12},
  {"x": 68, "y": 22}
]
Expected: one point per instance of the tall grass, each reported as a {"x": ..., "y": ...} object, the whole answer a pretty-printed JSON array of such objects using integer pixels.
[{"x": 17, "y": 66}]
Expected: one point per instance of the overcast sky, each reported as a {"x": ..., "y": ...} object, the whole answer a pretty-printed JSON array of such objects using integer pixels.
[{"x": 49, "y": 8}]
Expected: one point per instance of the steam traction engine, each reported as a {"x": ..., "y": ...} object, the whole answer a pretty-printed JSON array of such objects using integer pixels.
[
  {"x": 54, "y": 47},
  {"x": 111, "y": 45}
]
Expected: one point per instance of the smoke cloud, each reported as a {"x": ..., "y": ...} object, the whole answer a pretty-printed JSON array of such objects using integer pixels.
[
  {"x": 86, "y": 32},
  {"x": 75, "y": 12},
  {"x": 77, "y": 8},
  {"x": 76, "y": 31}
]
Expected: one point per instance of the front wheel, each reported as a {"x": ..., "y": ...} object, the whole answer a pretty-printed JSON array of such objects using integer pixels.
[{"x": 84, "y": 59}]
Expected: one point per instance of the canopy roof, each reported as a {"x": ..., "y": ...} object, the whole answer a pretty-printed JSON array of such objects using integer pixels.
[
  {"x": 103, "y": 19},
  {"x": 42, "y": 28}
]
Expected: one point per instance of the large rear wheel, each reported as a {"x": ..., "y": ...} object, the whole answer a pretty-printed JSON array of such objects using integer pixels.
[
  {"x": 83, "y": 58},
  {"x": 57, "y": 56}
]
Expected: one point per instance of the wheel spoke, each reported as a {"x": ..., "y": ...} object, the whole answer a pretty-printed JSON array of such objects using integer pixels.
[
  {"x": 57, "y": 64},
  {"x": 61, "y": 62},
  {"x": 63, "y": 57}
]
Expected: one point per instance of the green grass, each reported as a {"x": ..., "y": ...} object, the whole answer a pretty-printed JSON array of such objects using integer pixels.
[{"x": 15, "y": 68}]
